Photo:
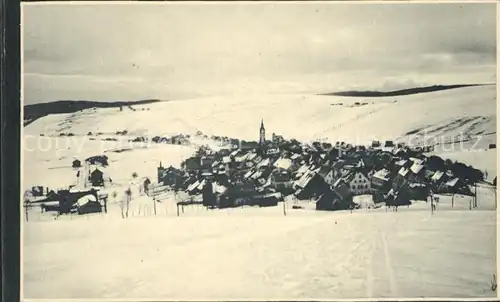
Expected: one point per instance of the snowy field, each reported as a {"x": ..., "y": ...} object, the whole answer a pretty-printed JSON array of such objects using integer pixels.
[
  {"x": 254, "y": 253},
  {"x": 259, "y": 253}
]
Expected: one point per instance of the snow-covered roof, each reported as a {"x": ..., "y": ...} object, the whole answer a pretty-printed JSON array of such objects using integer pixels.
[
  {"x": 277, "y": 195},
  {"x": 283, "y": 163},
  {"x": 382, "y": 174},
  {"x": 201, "y": 185},
  {"x": 396, "y": 150},
  {"x": 304, "y": 180},
  {"x": 401, "y": 162},
  {"x": 452, "y": 182},
  {"x": 240, "y": 158},
  {"x": 403, "y": 171},
  {"x": 295, "y": 156},
  {"x": 416, "y": 160},
  {"x": 437, "y": 175},
  {"x": 264, "y": 162},
  {"x": 215, "y": 163},
  {"x": 257, "y": 174},
  {"x": 226, "y": 159},
  {"x": 218, "y": 188},
  {"x": 416, "y": 168},
  {"x": 303, "y": 169},
  {"x": 415, "y": 185},
  {"x": 193, "y": 186},
  {"x": 251, "y": 156},
  {"x": 248, "y": 174}
]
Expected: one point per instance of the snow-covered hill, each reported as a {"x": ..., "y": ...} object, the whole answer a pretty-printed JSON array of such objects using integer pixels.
[
  {"x": 305, "y": 117},
  {"x": 258, "y": 253},
  {"x": 445, "y": 115}
]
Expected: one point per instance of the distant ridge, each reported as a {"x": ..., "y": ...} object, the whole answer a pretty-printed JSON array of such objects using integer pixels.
[
  {"x": 409, "y": 91},
  {"x": 36, "y": 111}
]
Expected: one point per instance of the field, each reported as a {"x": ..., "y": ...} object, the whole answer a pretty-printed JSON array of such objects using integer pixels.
[{"x": 259, "y": 253}]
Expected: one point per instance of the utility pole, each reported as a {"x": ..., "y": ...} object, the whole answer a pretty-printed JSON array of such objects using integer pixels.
[
  {"x": 452, "y": 199},
  {"x": 154, "y": 204},
  {"x": 284, "y": 207},
  {"x": 475, "y": 195}
]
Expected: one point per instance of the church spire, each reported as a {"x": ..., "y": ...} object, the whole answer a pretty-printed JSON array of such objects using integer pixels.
[{"x": 262, "y": 137}]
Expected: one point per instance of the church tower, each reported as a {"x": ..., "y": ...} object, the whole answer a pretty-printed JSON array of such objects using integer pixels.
[{"x": 262, "y": 138}]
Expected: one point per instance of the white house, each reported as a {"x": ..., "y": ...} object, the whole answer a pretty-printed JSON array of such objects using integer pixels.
[{"x": 358, "y": 183}]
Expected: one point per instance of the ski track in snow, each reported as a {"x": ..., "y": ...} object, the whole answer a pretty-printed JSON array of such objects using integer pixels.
[{"x": 388, "y": 266}]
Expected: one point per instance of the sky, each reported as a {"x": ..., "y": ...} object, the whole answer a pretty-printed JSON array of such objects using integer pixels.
[{"x": 138, "y": 51}]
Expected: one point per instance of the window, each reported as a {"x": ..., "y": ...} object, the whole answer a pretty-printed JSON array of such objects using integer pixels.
[{"x": 354, "y": 187}]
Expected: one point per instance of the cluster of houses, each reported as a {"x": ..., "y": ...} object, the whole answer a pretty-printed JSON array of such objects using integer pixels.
[{"x": 263, "y": 172}]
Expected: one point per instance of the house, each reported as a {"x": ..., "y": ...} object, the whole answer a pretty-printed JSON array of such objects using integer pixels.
[
  {"x": 207, "y": 161},
  {"x": 238, "y": 194},
  {"x": 323, "y": 171},
  {"x": 455, "y": 186},
  {"x": 96, "y": 178},
  {"x": 87, "y": 205},
  {"x": 437, "y": 179},
  {"x": 281, "y": 181},
  {"x": 401, "y": 178},
  {"x": 169, "y": 176},
  {"x": 418, "y": 191},
  {"x": 98, "y": 160},
  {"x": 330, "y": 178},
  {"x": 76, "y": 164},
  {"x": 381, "y": 180},
  {"x": 338, "y": 198},
  {"x": 67, "y": 199},
  {"x": 375, "y": 144},
  {"x": 192, "y": 164},
  {"x": 358, "y": 183},
  {"x": 37, "y": 191},
  {"x": 400, "y": 197},
  {"x": 195, "y": 187},
  {"x": 417, "y": 171},
  {"x": 283, "y": 164},
  {"x": 309, "y": 185},
  {"x": 209, "y": 198},
  {"x": 267, "y": 200}
]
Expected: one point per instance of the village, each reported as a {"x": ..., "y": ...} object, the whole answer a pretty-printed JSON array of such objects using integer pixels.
[{"x": 265, "y": 172}]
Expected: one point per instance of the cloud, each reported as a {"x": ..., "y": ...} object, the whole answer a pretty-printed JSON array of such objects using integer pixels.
[{"x": 182, "y": 49}]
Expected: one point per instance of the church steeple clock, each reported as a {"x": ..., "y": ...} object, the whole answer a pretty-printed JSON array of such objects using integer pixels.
[{"x": 262, "y": 138}]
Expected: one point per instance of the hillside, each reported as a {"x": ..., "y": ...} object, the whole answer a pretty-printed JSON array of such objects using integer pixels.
[
  {"x": 442, "y": 115},
  {"x": 36, "y": 111},
  {"x": 216, "y": 254},
  {"x": 401, "y": 92}
]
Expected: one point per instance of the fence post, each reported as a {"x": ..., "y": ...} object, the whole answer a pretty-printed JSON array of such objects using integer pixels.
[
  {"x": 432, "y": 205},
  {"x": 26, "y": 210},
  {"x": 154, "y": 204}
]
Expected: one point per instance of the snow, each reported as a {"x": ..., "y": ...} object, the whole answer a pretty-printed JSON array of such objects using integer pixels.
[
  {"x": 254, "y": 253},
  {"x": 257, "y": 253},
  {"x": 234, "y": 116}
]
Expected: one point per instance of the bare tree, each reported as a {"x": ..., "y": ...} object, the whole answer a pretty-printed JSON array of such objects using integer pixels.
[
  {"x": 128, "y": 198},
  {"x": 122, "y": 207}
]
